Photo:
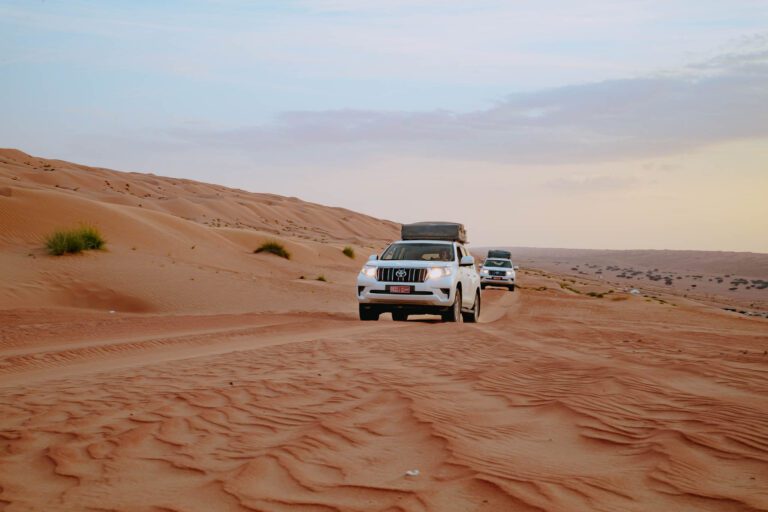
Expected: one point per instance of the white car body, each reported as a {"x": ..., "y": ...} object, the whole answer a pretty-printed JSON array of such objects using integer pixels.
[
  {"x": 498, "y": 272},
  {"x": 432, "y": 284}
]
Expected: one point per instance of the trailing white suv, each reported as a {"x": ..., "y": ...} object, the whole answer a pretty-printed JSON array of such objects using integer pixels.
[
  {"x": 429, "y": 271},
  {"x": 498, "y": 270}
]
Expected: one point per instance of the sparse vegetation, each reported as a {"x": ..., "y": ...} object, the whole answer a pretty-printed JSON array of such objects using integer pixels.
[
  {"x": 322, "y": 278},
  {"x": 92, "y": 239},
  {"x": 566, "y": 286},
  {"x": 349, "y": 252},
  {"x": 73, "y": 241},
  {"x": 275, "y": 248},
  {"x": 63, "y": 242}
]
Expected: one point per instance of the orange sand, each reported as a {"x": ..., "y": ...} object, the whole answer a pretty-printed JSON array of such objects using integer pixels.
[{"x": 222, "y": 381}]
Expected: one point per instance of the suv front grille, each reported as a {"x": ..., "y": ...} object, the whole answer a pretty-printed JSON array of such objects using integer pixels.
[
  {"x": 402, "y": 275},
  {"x": 498, "y": 272}
]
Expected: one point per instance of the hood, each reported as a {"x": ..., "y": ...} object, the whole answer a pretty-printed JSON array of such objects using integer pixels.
[{"x": 410, "y": 263}]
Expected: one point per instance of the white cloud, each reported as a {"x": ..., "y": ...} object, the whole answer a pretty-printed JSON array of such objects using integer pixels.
[{"x": 591, "y": 122}]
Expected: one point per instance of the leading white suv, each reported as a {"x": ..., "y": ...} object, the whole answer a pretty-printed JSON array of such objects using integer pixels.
[{"x": 422, "y": 276}]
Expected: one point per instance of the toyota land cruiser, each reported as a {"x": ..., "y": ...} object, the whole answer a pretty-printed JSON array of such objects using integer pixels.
[
  {"x": 429, "y": 271},
  {"x": 498, "y": 270}
]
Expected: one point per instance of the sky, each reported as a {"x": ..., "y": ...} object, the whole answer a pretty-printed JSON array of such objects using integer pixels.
[{"x": 639, "y": 124}]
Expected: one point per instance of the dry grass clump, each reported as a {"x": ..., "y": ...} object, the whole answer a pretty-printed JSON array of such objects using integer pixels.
[
  {"x": 73, "y": 241},
  {"x": 349, "y": 252},
  {"x": 275, "y": 248}
]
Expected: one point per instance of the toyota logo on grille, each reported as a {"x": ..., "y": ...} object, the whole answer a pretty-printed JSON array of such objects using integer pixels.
[{"x": 401, "y": 273}]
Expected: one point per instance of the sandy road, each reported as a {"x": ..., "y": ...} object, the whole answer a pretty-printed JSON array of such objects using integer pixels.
[
  {"x": 555, "y": 402},
  {"x": 155, "y": 340},
  {"x": 35, "y": 347}
]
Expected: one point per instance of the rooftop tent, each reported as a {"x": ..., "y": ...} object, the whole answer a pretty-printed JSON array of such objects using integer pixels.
[
  {"x": 448, "y": 231},
  {"x": 496, "y": 253}
]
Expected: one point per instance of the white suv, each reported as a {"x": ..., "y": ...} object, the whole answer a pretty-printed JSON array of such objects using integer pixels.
[
  {"x": 421, "y": 276},
  {"x": 498, "y": 271}
]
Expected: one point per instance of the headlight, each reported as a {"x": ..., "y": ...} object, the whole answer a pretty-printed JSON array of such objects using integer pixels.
[
  {"x": 438, "y": 272},
  {"x": 369, "y": 271},
  {"x": 510, "y": 272}
]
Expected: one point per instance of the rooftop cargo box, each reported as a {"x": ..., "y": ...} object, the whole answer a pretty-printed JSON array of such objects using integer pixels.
[
  {"x": 497, "y": 253},
  {"x": 448, "y": 231}
]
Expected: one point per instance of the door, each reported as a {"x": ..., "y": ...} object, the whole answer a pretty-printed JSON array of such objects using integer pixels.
[{"x": 466, "y": 274}]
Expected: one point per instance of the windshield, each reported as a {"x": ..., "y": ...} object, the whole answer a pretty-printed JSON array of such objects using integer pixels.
[
  {"x": 419, "y": 252},
  {"x": 498, "y": 263}
]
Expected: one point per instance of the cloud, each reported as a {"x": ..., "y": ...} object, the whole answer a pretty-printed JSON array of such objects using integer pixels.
[{"x": 724, "y": 98}]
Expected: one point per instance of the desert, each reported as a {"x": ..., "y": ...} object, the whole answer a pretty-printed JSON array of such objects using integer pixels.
[{"x": 177, "y": 369}]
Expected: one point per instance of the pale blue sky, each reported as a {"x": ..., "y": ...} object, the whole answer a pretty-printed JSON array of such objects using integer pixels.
[{"x": 309, "y": 98}]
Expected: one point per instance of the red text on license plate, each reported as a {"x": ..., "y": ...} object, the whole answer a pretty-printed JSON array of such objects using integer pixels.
[{"x": 399, "y": 289}]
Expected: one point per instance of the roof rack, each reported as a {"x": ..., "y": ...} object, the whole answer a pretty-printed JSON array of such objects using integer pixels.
[{"x": 447, "y": 231}]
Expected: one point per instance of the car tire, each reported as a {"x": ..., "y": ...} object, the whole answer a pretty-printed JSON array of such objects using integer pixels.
[
  {"x": 511, "y": 287},
  {"x": 474, "y": 315},
  {"x": 368, "y": 314},
  {"x": 482, "y": 286},
  {"x": 399, "y": 316},
  {"x": 454, "y": 313}
]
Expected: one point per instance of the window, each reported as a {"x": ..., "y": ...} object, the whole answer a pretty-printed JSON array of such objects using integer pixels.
[
  {"x": 419, "y": 252},
  {"x": 498, "y": 263}
]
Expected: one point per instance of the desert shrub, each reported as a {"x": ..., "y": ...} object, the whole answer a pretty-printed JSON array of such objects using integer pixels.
[
  {"x": 72, "y": 241},
  {"x": 349, "y": 252},
  {"x": 63, "y": 242},
  {"x": 321, "y": 278},
  {"x": 92, "y": 239},
  {"x": 275, "y": 248}
]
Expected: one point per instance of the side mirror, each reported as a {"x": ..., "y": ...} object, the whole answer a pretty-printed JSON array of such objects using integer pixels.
[
  {"x": 373, "y": 257},
  {"x": 467, "y": 261},
  {"x": 516, "y": 267}
]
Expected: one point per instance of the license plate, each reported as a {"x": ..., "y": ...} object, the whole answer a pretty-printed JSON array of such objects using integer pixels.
[
  {"x": 399, "y": 289},
  {"x": 497, "y": 278}
]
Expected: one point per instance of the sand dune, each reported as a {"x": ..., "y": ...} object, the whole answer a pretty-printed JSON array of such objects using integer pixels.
[
  {"x": 211, "y": 205},
  {"x": 173, "y": 245},
  {"x": 179, "y": 371}
]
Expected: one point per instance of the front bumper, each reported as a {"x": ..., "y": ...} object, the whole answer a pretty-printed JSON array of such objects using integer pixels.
[
  {"x": 497, "y": 280},
  {"x": 431, "y": 293}
]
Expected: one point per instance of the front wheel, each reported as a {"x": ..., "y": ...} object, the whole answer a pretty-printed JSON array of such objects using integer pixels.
[
  {"x": 511, "y": 287},
  {"x": 474, "y": 315},
  {"x": 399, "y": 316},
  {"x": 454, "y": 314},
  {"x": 368, "y": 314}
]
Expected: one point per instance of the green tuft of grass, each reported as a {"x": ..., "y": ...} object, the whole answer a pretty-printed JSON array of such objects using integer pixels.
[
  {"x": 73, "y": 241},
  {"x": 275, "y": 248},
  {"x": 92, "y": 239},
  {"x": 321, "y": 278},
  {"x": 349, "y": 252},
  {"x": 63, "y": 242}
]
